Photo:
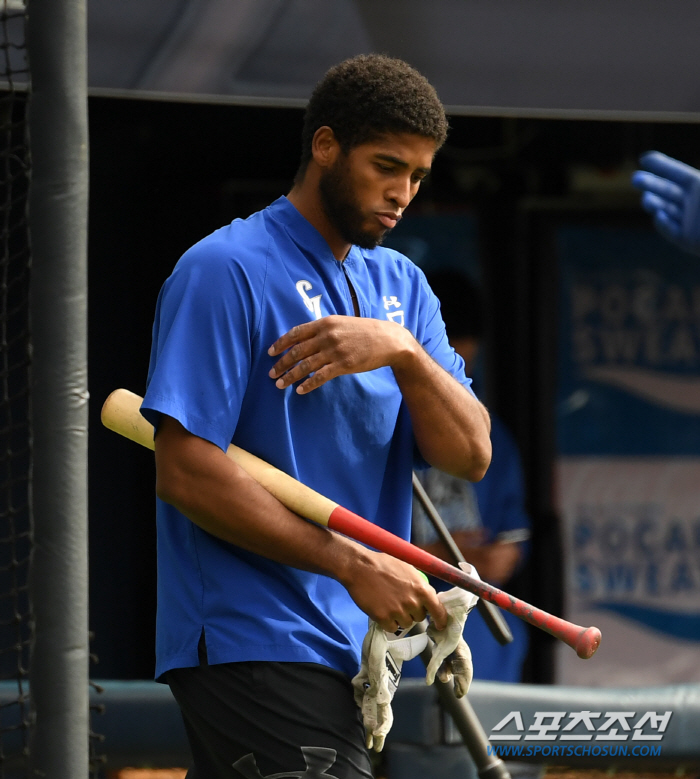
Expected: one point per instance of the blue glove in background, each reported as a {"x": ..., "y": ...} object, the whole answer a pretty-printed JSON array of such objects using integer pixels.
[{"x": 671, "y": 194}]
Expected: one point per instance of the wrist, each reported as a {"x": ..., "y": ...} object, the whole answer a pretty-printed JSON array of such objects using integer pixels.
[
  {"x": 350, "y": 560},
  {"x": 406, "y": 350}
]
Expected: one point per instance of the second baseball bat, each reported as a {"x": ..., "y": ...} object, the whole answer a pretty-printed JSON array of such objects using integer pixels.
[{"x": 121, "y": 413}]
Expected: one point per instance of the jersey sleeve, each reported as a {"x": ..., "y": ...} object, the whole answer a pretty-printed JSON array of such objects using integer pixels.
[
  {"x": 205, "y": 323},
  {"x": 434, "y": 338}
]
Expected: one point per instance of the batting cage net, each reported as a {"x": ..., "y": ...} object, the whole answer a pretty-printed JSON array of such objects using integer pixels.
[{"x": 15, "y": 411}]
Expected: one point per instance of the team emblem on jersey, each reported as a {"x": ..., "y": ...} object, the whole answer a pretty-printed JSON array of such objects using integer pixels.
[
  {"x": 391, "y": 301},
  {"x": 314, "y": 303}
]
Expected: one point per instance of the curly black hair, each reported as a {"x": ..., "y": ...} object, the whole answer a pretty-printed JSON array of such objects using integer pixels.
[{"x": 370, "y": 95}]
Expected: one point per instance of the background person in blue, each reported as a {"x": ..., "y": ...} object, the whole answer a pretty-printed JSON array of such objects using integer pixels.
[
  {"x": 486, "y": 519},
  {"x": 295, "y": 336}
]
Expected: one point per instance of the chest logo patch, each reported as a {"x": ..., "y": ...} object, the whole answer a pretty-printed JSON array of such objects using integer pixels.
[
  {"x": 314, "y": 303},
  {"x": 391, "y": 301}
]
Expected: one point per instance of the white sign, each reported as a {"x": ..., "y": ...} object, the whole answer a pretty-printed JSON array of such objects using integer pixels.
[{"x": 632, "y": 551}]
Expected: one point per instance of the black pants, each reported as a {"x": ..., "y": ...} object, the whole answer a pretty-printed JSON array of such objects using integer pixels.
[{"x": 260, "y": 720}]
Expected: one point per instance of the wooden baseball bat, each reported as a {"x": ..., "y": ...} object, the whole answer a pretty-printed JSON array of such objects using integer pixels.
[{"x": 121, "y": 413}]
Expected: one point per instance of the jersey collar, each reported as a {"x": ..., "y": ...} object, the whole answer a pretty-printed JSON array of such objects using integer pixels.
[{"x": 304, "y": 234}]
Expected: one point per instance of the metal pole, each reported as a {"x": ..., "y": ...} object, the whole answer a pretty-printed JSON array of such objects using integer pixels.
[
  {"x": 490, "y": 613},
  {"x": 467, "y": 723},
  {"x": 463, "y": 715},
  {"x": 56, "y": 41}
]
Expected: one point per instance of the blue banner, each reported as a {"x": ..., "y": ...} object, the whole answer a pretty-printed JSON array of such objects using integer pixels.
[
  {"x": 629, "y": 344},
  {"x": 628, "y": 475}
]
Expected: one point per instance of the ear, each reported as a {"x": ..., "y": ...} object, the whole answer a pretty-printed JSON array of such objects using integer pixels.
[{"x": 325, "y": 147}]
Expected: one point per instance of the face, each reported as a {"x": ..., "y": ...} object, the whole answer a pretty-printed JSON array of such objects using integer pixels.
[{"x": 365, "y": 192}]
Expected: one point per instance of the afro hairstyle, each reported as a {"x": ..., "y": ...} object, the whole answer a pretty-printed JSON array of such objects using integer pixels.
[{"x": 368, "y": 96}]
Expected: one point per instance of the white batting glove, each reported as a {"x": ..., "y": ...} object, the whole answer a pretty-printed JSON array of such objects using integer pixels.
[
  {"x": 383, "y": 655},
  {"x": 452, "y": 658}
]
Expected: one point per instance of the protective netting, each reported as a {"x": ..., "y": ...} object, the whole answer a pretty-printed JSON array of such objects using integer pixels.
[{"x": 15, "y": 431}]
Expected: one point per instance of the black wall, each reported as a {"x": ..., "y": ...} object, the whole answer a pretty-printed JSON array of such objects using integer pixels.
[{"x": 162, "y": 176}]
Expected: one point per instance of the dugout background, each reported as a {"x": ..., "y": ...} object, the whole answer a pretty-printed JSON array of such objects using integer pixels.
[{"x": 164, "y": 174}]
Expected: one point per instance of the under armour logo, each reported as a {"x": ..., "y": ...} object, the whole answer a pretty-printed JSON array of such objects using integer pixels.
[
  {"x": 390, "y": 302},
  {"x": 314, "y": 303},
  {"x": 318, "y": 761}
]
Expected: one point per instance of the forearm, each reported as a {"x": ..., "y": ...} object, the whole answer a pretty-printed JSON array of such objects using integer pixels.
[
  {"x": 221, "y": 498},
  {"x": 217, "y": 495},
  {"x": 450, "y": 425}
]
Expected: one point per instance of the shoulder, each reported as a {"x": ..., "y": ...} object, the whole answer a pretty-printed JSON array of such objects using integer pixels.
[
  {"x": 233, "y": 257},
  {"x": 241, "y": 244}
]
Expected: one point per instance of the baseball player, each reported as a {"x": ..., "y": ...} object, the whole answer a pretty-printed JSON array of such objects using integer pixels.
[{"x": 294, "y": 335}]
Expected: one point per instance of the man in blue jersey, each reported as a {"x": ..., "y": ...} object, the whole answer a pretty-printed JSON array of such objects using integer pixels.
[{"x": 295, "y": 336}]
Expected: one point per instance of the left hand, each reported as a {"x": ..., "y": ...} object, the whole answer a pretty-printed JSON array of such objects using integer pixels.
[{"x": 337, "y": 345}]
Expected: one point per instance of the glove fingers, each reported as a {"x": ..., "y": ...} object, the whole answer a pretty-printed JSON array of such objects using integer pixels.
[
  {"x": 378, "y": 721},
  {"x": 662, "y": 187},
  {"x": 667, "y": 226},
  {"x": 444, "y": 674},
  {"x": 432, "y": 668},
  {"x": 462, "y": 685},
  {"x": 441, "y": 650},
  {"x": 653, "y": 203},
  {"x": 458, "y": 601},
  {"x": 669, "y": 168}
]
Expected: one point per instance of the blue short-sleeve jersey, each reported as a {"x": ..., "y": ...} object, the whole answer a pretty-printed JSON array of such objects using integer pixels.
[{"x": 228, "y": 299}]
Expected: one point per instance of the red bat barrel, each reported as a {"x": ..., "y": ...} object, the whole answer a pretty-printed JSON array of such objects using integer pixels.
[{"x": 584, "y": 641}]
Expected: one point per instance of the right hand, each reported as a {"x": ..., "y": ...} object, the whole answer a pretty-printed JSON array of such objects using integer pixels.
[
  {"x": 671, "y": 194},
  {"x": 392, "y": 593},
  {"x": 316, "y": 352}
]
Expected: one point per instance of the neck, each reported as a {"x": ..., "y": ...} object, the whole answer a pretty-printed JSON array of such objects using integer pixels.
[{"x": 306, "y": 198}]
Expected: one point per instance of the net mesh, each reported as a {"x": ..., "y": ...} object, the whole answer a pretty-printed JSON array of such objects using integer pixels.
[{"x": 15, "y": 433}]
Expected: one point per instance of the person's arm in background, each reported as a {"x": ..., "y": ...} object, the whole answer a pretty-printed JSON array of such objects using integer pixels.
[
  {"x": 671, "y": 194},
  {"x": 496, "y": 562},
  {"x": 500, "y": 497}
]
